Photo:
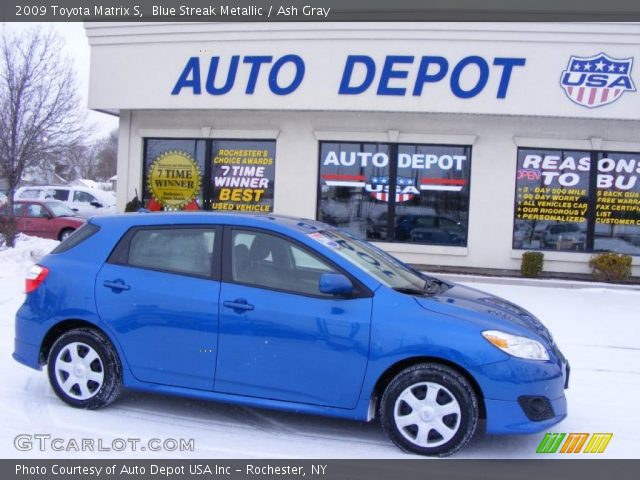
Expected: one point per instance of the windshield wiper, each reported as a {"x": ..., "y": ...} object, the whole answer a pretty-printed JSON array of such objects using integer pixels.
[{"x": 413, "y": 291}]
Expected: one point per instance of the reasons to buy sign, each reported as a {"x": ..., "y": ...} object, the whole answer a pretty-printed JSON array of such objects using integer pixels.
[
  {"x": 243, "y": 176},
  {"x": 553, "y": 187},
  {"x": 174, "y": 179},
  {"x": 577, "y": 200}
]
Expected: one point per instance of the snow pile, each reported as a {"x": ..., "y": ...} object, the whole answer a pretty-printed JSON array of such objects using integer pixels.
[
  {"x": 16, "y": 262},
  {"x": 27, "y": 249}
]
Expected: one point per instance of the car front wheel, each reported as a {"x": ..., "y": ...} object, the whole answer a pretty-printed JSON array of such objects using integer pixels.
[
  {"x": 429, "y": 409},
  {"x": 84, "y": 369}
]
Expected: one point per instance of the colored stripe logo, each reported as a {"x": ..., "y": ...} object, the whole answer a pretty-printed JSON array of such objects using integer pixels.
[{"x": 574, "y": 443}]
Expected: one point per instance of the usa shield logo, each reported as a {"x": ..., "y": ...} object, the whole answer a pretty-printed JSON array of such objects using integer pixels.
[
  {"x": 598, "y": 80},
  {"x": 379, "y": 188}
]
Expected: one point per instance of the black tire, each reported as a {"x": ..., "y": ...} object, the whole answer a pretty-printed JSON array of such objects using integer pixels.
[
  {"x": 449, "y": 387},
  {"x": 86, "y": 392},
  {"x": 64, "y": 233}
]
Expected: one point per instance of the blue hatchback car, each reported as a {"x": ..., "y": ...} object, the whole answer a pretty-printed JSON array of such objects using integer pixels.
[{"x": 289, "y": 314}]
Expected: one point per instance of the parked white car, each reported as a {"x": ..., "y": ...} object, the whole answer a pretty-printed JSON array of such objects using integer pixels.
[{"x": 86, "y": 202}]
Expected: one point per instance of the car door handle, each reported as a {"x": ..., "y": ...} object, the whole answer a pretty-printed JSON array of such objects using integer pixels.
[
  {"x": 116, "y": 285},
  {"x": 238, "y": 304}
]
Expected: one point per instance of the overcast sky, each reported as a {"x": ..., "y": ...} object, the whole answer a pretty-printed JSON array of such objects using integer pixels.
[{"x": 77, "y": 47}]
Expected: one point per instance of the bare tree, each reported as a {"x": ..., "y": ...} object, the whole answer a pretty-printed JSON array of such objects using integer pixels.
[
  {"x": 40, "y": 115},
  {"x": 107, "y": 156},
  {"x": 80, "y": 161}
]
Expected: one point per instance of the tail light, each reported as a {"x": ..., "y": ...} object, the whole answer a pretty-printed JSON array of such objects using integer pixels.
[{"x": 35, "y": 277}]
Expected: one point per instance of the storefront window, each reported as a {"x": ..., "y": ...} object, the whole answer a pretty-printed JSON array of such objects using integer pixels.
[
  {"x": 578, "y": 201},
  {"x": 552, "y": 200},
  {"x": 243, "y": 175},
  {"x": 222, "y": 175},
  {"x": 431, "y": 183},
  {"x": 173, "y": 174},
  {"x": 438, "y": 214},
  {"x": 345, "y": 202},
  {"x": 617, "y": 226}
]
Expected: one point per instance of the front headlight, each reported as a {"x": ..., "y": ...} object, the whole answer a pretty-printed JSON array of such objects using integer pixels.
[{"x": 521, "y": 347}]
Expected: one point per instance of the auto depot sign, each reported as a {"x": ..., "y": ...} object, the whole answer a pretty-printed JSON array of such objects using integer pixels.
[
  {"x": 489, "y": 77},
  {"x": 360, "y": 74}
]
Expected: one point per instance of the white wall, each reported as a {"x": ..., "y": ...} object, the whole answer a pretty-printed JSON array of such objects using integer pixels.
[{"x": 136, "y": 66}]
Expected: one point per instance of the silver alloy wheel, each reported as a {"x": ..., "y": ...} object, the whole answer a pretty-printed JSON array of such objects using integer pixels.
[
  {"x": 65, "y": 235},
  {"x": 427, "y": 414},
  {"x": 79, "y": 370}
]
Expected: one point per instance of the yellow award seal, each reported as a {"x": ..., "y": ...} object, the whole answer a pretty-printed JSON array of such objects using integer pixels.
[{"x": 174, "y": 179}]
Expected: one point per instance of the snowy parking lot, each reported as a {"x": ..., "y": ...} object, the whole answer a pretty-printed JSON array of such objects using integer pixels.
[{"x": 597, "y": 327}]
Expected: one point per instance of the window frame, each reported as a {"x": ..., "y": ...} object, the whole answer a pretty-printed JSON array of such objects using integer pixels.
[
  {"x": 120, "y": 253},
  {"x": 44, "y": 212},
  {"x": 393, "y": 173},
  {"x": 591, "y": 213},
  {"x": 77, "y": 193},
  {"x": 206, "y": 187},
  {"x": 359, "y": 289},
  {"x": 65, "y": 200}
]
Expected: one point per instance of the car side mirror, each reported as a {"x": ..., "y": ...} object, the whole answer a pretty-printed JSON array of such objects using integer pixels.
[
  {"x": 335, "y": 284},
  {"x": 96, "y": 204}
]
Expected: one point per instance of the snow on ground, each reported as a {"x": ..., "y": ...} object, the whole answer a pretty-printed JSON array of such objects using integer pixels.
[{"x": 597, "y": 329}]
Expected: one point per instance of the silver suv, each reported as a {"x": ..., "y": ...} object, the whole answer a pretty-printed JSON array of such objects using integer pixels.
[{"x": 86, "y": 202}]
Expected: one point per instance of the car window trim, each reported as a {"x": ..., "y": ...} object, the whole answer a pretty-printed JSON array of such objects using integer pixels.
[
  {"x": 125, "y": 243},
  {"x": 359, "y": 289}
]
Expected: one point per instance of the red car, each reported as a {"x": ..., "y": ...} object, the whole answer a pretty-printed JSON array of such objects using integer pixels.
[{"x": 47, "y": 219}]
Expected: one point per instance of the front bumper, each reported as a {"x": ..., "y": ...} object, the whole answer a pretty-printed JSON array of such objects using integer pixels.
[
  {"x": 503, "y": 383},
  {"x": 507, "y": 417}
]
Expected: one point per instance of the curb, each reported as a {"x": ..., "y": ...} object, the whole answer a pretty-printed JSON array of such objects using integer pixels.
[{"x": 533, "y": 282}]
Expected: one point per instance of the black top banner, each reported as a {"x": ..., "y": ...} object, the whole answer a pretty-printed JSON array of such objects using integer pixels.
[{"x": 318, "y": 10}]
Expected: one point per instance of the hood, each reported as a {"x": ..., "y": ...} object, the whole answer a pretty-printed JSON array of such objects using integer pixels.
[{"x": 476, "y": 301}]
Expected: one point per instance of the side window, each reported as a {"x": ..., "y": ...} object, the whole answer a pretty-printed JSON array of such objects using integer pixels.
[
  {"x": 302, "y": 259},
  {"x": 178, "y": 250},
  {"x": 83, "y": 197},
  {"x": 61, "y": 195},
  {"x": 35, "y": 211},
  {"x": 268, "y": 261}
]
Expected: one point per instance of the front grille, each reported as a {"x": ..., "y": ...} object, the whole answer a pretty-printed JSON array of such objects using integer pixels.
[{"x": 536, "y": 408}]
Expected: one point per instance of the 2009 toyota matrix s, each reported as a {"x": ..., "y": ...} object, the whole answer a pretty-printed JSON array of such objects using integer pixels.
[{"x": 289, "y": 314}]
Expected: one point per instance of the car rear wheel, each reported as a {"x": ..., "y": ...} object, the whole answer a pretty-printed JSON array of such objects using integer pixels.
[
  {"x": 84, "y": 369},
  {"x": 64, "y": 234},
  {"x": 429, "y": 409}
]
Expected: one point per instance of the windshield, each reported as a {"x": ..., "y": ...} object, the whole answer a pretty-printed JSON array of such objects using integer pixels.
[
  {"x": 377, "y": 263},
  {"x": 60, "y": 210}
]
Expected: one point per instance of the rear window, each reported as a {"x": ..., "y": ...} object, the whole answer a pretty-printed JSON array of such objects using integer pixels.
[
  {"x": 29, "y": 193},
  {"x": 184, "y": 250},
  {"x": 77, "y": 237}
]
